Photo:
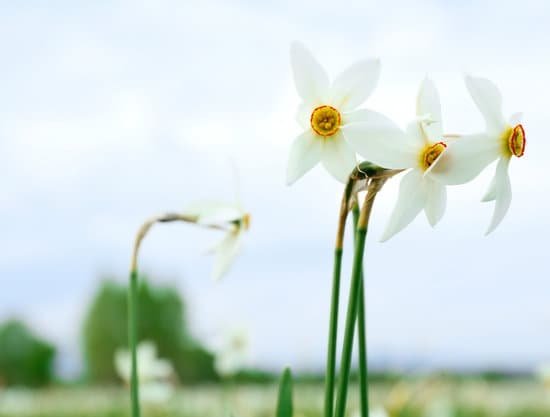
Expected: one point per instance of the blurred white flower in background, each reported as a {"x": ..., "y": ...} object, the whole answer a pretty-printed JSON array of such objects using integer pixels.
[
  {"x": 222, "y": 215},
  {"x": 327, "y": 113},
  {"x": 440, "y": 407},
  {"x": 154, "y": 374},
  {"x": 232, "y": 352},
  {"x": 542, "y": 372}
]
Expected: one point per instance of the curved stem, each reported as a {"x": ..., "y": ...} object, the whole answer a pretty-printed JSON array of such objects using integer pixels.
[
  {"x": 361, "y": 335},
  {"x": 373, "y": 188},
  {"x": 334, "y": 305},
  {"x": 133, "y": 299},
  {"x": 132, "y": 340}
]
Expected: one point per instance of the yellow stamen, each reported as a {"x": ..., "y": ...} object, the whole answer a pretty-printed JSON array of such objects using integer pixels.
[
  {"x": 430, "y": 154},
  {"x": 325, "y": 120}
]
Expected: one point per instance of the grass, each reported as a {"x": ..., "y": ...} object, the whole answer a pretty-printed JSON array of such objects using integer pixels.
[{"x": 407, "y": 398}]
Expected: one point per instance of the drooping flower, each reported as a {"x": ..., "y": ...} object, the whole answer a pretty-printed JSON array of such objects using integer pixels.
[
  {"x": 153, "y": 373},
  {"x": 234, "y": 219},
  {"x": 470, "y": 154},
  {"x": 419, "y": 150},
  {"x": 327, "y": 112},
  {"x": 232, "y": 353}
]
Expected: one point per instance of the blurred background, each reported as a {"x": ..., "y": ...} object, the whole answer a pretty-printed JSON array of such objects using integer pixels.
[{"x": 114, "y": 111}]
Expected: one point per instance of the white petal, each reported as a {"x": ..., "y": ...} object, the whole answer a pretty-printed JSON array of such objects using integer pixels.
[
  {"x": 411, "y": 200},
  {"x": 156, "y": 392},
  {"x": 417, "y": 135},
  {"x": 465, "y": 158},
  {"x": 427, "y": 101},
  {"x": 365, "y": 115},
  {"x": 305, "y": 153},
  {"x": 516, "y": 118},
  {"x": 123, "y": 364},
  {"x": 351, "y": 88},
  {"x": 338, "y": 157},
  {"x": 488, "y": 100},
  {"x": 436, "y": 201},
  {"x": 311, "y": 80},
  {"x": 225, "y": 253},
  {"x": 429, "y": 105},
  {"x": 383, "y": 143},
  {"x": 491, "y": 193},
  {"x": 503, "y": 193},
  {"x": 214, "y": 212},
  {"x": 161, "y": 369},
  {"x": 303, "y": 115}
]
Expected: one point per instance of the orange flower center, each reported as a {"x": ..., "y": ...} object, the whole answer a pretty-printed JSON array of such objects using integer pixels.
[
  {"x": 325, "y": 120},
  {"x": 431, "y": 153},
  {"x": 517, "y": 141}
]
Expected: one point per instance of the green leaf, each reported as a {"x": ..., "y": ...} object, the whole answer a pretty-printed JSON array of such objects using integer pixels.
[{"x": 284, "y": 403}]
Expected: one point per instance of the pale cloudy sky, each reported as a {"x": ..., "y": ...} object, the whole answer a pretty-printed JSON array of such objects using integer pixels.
[{"x": 113, "y": 111}]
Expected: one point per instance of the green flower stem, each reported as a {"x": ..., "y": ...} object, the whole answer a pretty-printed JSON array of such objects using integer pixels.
[
  {"x": 334, "y": 305},
  {"x": 361, "y": 334},
  {"x": 132, "y": 339},
  {"x": 133, "y": 300},
  {"x": 345, "y": 364}
]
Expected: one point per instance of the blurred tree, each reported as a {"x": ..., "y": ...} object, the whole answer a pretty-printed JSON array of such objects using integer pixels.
[
  {"x": 24, "y": 358},
  {"x": 161, "y": 320}
]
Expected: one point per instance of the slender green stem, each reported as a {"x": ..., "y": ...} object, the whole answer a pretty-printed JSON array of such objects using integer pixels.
[
  {"x": 334, "y": 304},
  {"x": 132, "y": 339},
  {"x": 345, "y": 363},
  {"x": 333, "y": 330},
  {"x": 361, "y": 335}
]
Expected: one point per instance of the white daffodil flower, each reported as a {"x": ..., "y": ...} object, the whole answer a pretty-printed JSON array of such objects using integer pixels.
[
  {"x": 222, "y": 215},
  {"x": 419, "y": 149},
  {"x": 153, "y": 372},
  {"x": 232, "y": 353},
  {"x": 327, "y": 113},
  {"x": 472, "y": 153}
]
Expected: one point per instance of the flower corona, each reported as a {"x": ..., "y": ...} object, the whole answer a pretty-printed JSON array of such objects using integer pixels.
[
  {"x": 325, "y": 120},
  {"x": 516, "y": 141},
  {"x": 431, "y": 153}
]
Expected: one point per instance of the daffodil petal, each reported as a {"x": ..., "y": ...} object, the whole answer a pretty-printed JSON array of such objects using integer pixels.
[
  {"x": 382, "y": 142},
  {"x": 436, "y": 201},
  {"x": 429, "y": 104},
  {"x": 214, "y": 212},
  {"x": 417, "y": 135},
  {"x": 338, "y": 157},
  {"x": 503, "y": 194},
  {"x": 225, "y": 253},
  {"x": 311, "y": 80},
  {"x": 516, "y": 118},
  {"x": 427, "y": 100},
  {"x": 305, "y": 153},
  {"x": 491, "y": 193},
  {"x": 464, "y": 159},
  {"x": 303, "y": 115},
  {"x": 488, "y": 100},
  {"x": 351, "y": 88},
  {"x": 411, "y": 200},
  {"x": 123, "y": 364},
  {"x": 365, "y": 115}
]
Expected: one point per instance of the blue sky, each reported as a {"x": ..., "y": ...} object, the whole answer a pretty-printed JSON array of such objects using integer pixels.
[{"x": 114, "y": 111}]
